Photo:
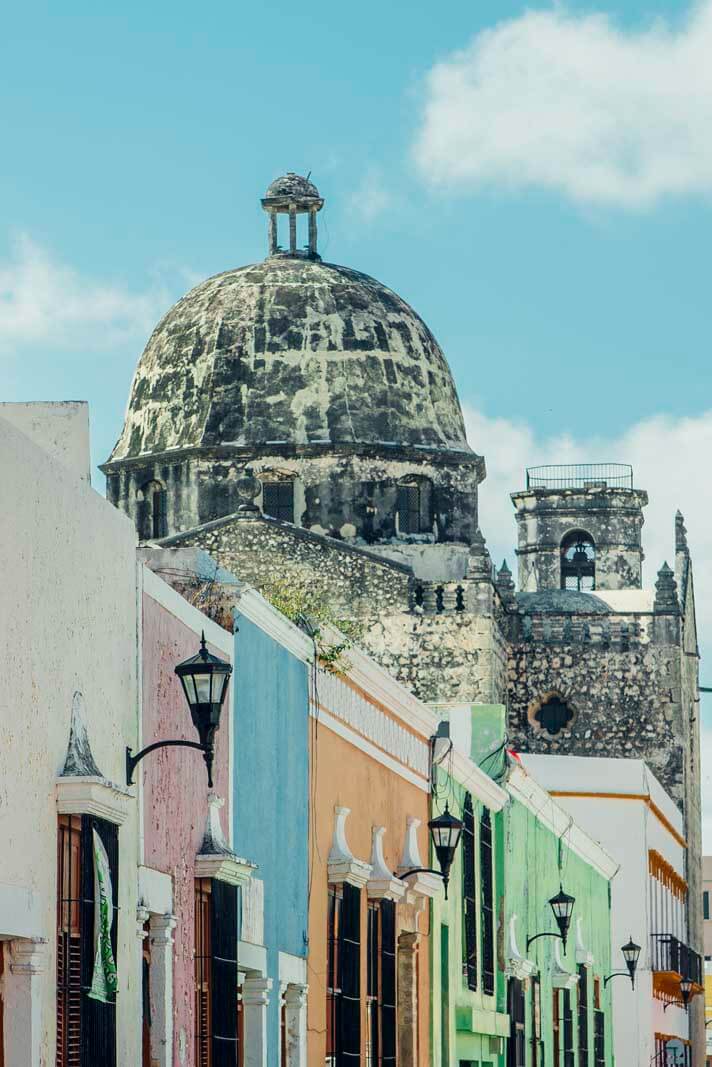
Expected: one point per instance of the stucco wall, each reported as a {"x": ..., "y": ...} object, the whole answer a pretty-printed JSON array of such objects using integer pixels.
[
  {"x": 67, "y": 625},
  {"x": 271, "y": 792},
  {"x": 175, "y": 784}
]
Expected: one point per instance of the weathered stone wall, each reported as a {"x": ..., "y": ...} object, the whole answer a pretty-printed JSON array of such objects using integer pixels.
[
  {"x": 626, "y": 699},
  {"x": 344, "y": 492},
  {"x": 612, "y": 517},
  {"x": 263, "y": 552}
]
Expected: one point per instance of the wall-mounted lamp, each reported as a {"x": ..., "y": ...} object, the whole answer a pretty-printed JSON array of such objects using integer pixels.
[
  {"x": 204, "y": 678},
  {"x": 445, "y": 831},
  {"x": 631, "y": 955},
  {"x": 685, "y": 994},
  {"x": 562, "y": 906}
]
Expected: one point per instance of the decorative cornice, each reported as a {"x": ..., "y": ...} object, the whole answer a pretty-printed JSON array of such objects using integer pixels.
[
  {"x": 516, "y": 964},
  {"x": 29, "y": 955},
  {"x": 560, "y": 977},
  {"x": 343, "y": 865},
  {"x": 382, "y": 884},
  {"x": 90, "y": 795},
  {"x": 260, "y": 612},
  {"x": 224, "y": 868}
]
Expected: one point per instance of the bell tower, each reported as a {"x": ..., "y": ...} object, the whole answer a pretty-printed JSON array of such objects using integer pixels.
[{"x": 580, "y": 528}]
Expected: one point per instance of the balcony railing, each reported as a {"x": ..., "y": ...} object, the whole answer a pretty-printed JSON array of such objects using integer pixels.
[
  {"x": 581, "y": 476},
  {"x": 671, "y": 956}
]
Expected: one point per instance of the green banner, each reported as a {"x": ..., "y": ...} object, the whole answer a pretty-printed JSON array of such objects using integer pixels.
[{"x": 104, "y": 979}]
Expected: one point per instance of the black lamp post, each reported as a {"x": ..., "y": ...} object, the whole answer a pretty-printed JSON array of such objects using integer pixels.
[
  {"x": 204, "y": 678},
  {"x": 631, "y": 954},
  {"x": 562, "y": 906},
  {"x": 445, "y": 831}
]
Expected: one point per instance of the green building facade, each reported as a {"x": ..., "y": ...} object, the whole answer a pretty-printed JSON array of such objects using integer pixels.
[{"x": 497, "y": 1002}]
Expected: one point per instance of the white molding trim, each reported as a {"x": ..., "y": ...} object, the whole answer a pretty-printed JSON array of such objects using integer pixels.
[
  {"x": 224, "y": 868},
  {"x": 482, "y": 787},
  {"x": 516, "y": 964},
  {"x": 522, "y": 787},
  {"x": 343, "y": 865},
  {"x": 327, "y": 719},
  {"x": 383, "y": 884},
  {"x": 256, "y": 609},
  {"x": 192, "y": 617},
  {"x": 583, "y": 955},
  {"x": 90, "y": 795},
  {"x": 560, "y": 977}
]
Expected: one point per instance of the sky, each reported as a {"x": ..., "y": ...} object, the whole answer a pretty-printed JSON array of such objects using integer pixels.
[{"x": 535, "y": 180}]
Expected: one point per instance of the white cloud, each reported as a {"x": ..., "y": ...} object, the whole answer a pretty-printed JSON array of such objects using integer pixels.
[
  {"x": 670, "y": 458},
  {"x": 43, "y": 300},
  {"x": 572, "y": 103},
  {"x": 372, "y": 197}
]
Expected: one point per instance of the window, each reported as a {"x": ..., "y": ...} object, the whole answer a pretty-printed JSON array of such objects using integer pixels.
[
  {"x": 568, "y": 1020},
  {"x": 343, "y": 1004},
  {"x": 152, "y": 518},
  {"x": 414, "y": 507},
  {"x": 706, "y": 904},
  {"x": 556, "y": 1027},
  {"x": 583, "y": 1014},
  {"x": 537, "y": 1059},
  {"x": 578, "y": 566},
  {"x": 86, "y": 1028},
  {"x": 278, "y": 500},
  {"x": 469, "y": 911},
  {"x": 516, "y": 1046},
  {"x": 381, "y": 985},
  {"x": 599, "y": 1043},
  {"x": 216, "y": 1041},
  {"x": 487, "y": 880},
  {"x": 553, "y": 714}
]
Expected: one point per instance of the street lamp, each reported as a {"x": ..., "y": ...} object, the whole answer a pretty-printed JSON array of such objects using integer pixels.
[
  {"x": 685, "y": 992},
  {"x": 445, "y": 831},
  {"x": 205, "y": 679},
  {"x": 562, "y": 906},
  {"x": 631, "y": 954}
]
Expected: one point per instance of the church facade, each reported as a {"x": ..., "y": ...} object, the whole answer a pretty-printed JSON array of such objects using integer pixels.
[{"x": 299, "y": 421}]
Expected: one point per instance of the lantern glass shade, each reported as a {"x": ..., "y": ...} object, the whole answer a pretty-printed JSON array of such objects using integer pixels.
[
  {"x": 562, "y": 906},
  {"x": 631, "y": 954},
  {"x": 205, "y": 679},
  {"x": 685, "y": 989},
  {"x": 446, "y": 830}
]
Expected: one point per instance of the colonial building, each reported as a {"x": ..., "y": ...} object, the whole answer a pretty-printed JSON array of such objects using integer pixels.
[{"x": 297, "y": 418}]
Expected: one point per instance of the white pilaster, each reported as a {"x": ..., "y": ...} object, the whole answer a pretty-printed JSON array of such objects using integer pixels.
[
  {"x": 255, "y": 999},
  {"x": 161, "y": 979},
  {"x": 295, "y": 1007},
  {"x": 23, "y": 1001}
]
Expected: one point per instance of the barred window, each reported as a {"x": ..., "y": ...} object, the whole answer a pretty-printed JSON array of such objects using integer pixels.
[
  {"x": 333, "y": 984},
  {"x": 516, "y": 1046},
  {"x": 216, "y": 1010},
  {"x": 86, "y": 1028},
  {"x": 381, "y": 988},
  {"x": 415, "y": 507},
  {"x": 152, "y": 511},
  {"x": 469, "y": 913},
  {"x": 487, "y": 880},
  {"x": 569, "y": 1055},
  {"x": 343, "y": 1036},
  {"x": 278, "y": 500},
  {"x": 599, "y": 1044},
  {"x": 537, "y": 1058},
  {"x": 556, "y": 1027},
  {"x": 583, "y": 1013}
]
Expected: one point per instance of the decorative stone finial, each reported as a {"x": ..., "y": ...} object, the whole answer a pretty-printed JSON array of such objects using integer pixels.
[
  {"x": 214, "y": 842},
  {"x": 505, "y": 584},
  {"x": 680, "y": 533},
  {"x": 666, "y": 602},
  {"x": 248, "y": 489},
  {"x": 480, "y": 561},
  {"x": 79, "y": 761}
]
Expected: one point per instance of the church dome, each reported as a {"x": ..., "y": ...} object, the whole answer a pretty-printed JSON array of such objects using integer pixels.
[{"x": 292, "y": 351}]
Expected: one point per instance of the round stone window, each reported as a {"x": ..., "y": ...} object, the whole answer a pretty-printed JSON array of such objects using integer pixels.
[{"x": 551, "y": 713}]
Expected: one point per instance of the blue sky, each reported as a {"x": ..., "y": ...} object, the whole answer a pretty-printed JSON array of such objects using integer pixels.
[{"x": 535, "y": 181}]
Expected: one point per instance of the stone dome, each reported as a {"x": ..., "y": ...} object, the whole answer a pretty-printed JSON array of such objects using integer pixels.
[
  {"x": 293, "y": 185},
  {"x": 294, "y": 351}
]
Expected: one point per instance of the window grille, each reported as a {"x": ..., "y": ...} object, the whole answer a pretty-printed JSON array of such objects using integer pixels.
[
  {"x": 444, "y": 994},
  {"x": 278, "y": 500},
  {"x": 86, "y": 1028},
  {"x": 583, "y": 1014},
  {"x": 388, "y": 983},
  {"x": 216, "y": 1038},
  {"x": 158, "y": 513},
  {"x": 373, "y": 986},
  {"x": 408, "y": 509},
  {"x": 469, "y": 913},
  {"x": 516, "y": 1046},
  {"x": 556, "y": 1027},
  {"x": 487, "y": 880},
  {"x": 578, "y": 562},
  {"x": 599, "y": 1044},
  {"x": 152, "y": 511},
  {"x": 568, "y": 1020},
  {"x": 348, "y": 1032},
  {"x": 706, "y": 904}
]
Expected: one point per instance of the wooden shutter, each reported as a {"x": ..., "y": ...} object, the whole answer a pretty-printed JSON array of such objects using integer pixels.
[
  {"x": 333, "y": 978},
  {"x": 568, "y": 1030},
  {"x": 223, "y": 934},
  {"x": 408, "y": 509},
  {"x": 469, "y": 910},
  {"x": 516, "y": 1046},
  {"x": 487, "y": 878},
  {"x": 69, "y": 947},
  {"x": 373, "y": 985},
  {"x": 348, "y": 1036},
  {"x": 98, "y": 1020},
  {"x": 159, "y": 512},
  {"x": 583, "y": 1015},
  {"x": 388, "y": 984},
  {"x": 536, "y": 1058},
  {"x": 202, "y": 1022}
]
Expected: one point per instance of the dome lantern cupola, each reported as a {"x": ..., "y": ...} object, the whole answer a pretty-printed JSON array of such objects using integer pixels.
[{"x": 292, "y": 195}]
